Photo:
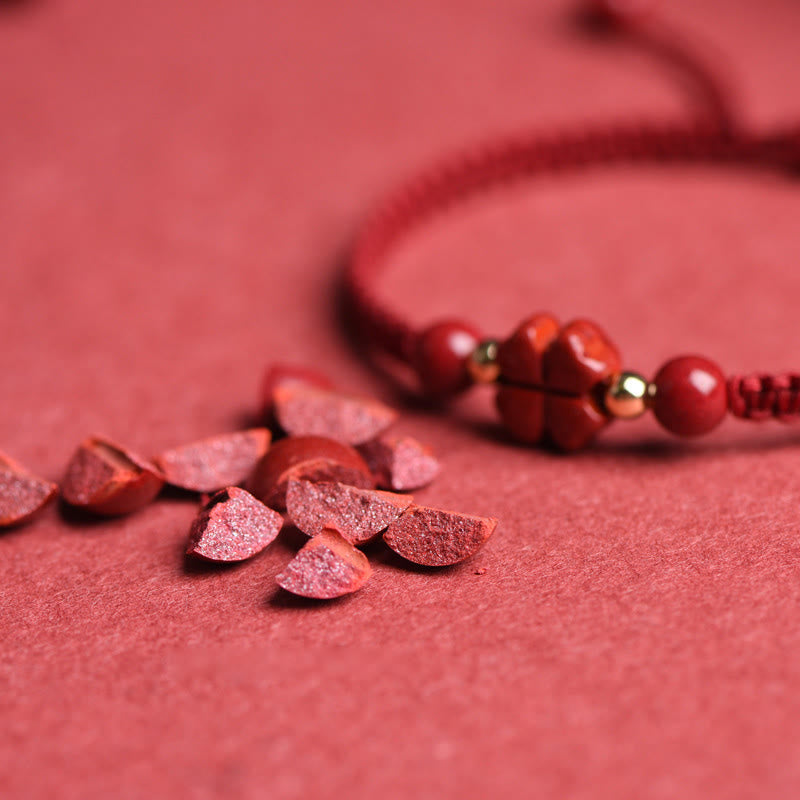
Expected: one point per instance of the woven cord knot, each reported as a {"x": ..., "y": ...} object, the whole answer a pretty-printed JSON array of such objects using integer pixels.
[{"x": 760, "y": 397}]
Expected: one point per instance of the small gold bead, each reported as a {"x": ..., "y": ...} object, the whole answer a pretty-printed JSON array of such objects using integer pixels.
[
  {"x": 627, "y": 396},
  {"x": 482, "y": 363}
]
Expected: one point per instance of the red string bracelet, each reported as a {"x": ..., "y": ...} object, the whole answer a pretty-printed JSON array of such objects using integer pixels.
[{"x": 563, "y": 383}]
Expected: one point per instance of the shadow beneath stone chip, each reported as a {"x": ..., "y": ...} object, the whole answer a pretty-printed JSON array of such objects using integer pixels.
[
  {"x": 290, "y": 538},
  {"x": 194, "y": 565},
  {"x": 74, "y": 517},
  {"x": 280, "y": 598},
  {"x": 170, "y": 492},
  {"x": 388, "y": 558}
]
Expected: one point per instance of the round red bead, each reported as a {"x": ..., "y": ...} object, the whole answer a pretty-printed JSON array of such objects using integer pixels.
[
  {"x": 440, "y": 356},
  {"x": 691, "y": 396}
]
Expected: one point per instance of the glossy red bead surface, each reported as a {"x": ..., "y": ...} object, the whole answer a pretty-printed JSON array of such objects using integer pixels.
[
  {"x": 579, "y": 358},
  {"x": 690, "y": 396},
  {"x": 572, "y": 422},
  {"x": 440, "y": 356},
  {"x": 520, "y": 356},
  {"x": 522, "y": 412},
  {"x": 566, "y": 363}
]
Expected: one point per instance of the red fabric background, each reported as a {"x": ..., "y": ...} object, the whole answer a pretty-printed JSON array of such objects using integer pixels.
[{"x": 177, "y": 182}]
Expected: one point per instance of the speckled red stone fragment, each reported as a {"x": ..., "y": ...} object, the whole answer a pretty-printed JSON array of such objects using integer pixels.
[
  {"x": 21, "y": 493},
  {"x": 287, "y": 375},
  {"x": 358, "y": 514},
  {"x": 313, "y": 458},
  {"x": 309, "y": 411},
  {"x": 327, "y": 566},
  {"x": 400, "y": 463},
  {"x": 233, "y": 526},
  {"x": 107, "y": 479},
  {"x": 437, "y": 538},
  {"x": 211, "y": 464}
]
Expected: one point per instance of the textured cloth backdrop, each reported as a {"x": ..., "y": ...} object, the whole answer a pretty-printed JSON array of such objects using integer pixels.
[{"x": 177, "y": 183}]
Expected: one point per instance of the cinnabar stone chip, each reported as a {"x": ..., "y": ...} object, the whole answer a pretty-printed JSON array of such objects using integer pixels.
[
  {"x": 313, "y": 458},
  {"x": 400, "y": 463},
  {"x": 22, "y": 494},
  {"x": 359, "y": 515},
  {"x": 233, "y": 526},
  {"x": 437, "y": 538},
  {"x": 216, "y": 462},
  {"x": 308, "y": 411},
  {"x": 104, "y": 478},
  {"x": 287, "y": 375},
  {"x": 327, "y": 566}
]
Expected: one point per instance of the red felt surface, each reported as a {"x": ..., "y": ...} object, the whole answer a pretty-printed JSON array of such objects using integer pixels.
[{"x": 177, "y": 182}]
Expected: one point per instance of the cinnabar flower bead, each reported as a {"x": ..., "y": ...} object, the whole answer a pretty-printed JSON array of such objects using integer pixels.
[
  {"x": 522, "y": 413},
  {"x": 579, "y": 358},
  {"x": 566, "y": 365},
  {"x": 440, "y": 356},
  {"x": 520, "y": 356},
  {"x": 572, "y": 422},
  {"x": 520, "y": 359},
  {"x": 690, "y": 396}
]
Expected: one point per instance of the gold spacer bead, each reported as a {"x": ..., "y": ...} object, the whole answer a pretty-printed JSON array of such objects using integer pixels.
[
  {"x": 482, "y": 363},
  {"x": 627, "y": 396}
]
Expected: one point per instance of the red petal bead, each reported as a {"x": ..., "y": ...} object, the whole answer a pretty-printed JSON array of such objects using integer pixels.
[
  {"x": 579, "y": 358},
  {"x": 520, "y": 356},
  {"x": 572, "y": 422},
  {"x": 520, "y": 360},
  {"x": 522, "y": 412},
  {"x": 440, "y": 356},
  {"x": 690, "y": 396}
]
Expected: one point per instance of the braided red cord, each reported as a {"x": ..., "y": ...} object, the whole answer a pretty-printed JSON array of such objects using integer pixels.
[
  {"x": 715, "y": 139},
  {"x": 760, "y": 397},
  {"x": 707, "y": 85},
  {"x": 512, "y": 159}
]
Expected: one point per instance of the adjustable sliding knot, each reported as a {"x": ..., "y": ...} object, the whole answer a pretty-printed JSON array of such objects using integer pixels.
[{"x": 760, "y": 397}]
